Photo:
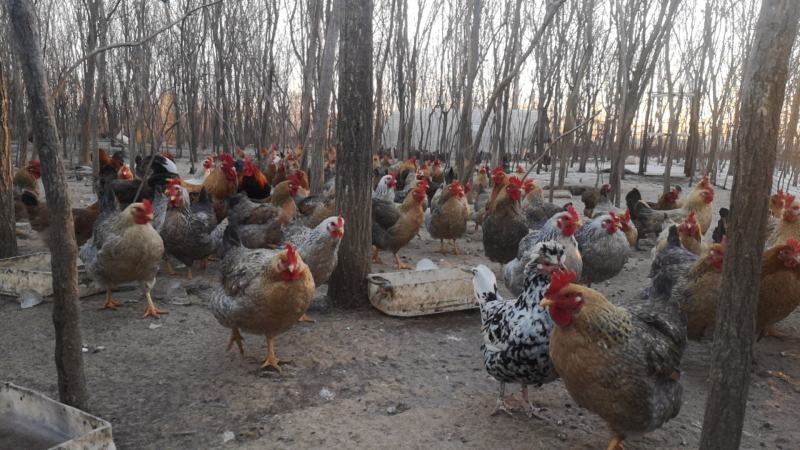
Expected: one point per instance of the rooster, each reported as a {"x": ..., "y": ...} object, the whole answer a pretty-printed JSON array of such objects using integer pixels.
[
  {"x": 631, "y": 233},
  {"x": 393, "y": 228},
  {"x": 779, "y": 294},
  {"x": 447, "y": 218},
  {"x": 261, "y": 293},
  {"x": 560, "y": 228},
  {"x": 516, "y": 333},
  {"x": 499, "y": 181},
  {"x": 504, "y": 227},
  {"x": 124, "y": 248},
  {"x": 187, "y": 228},
  {"x": 669, "y": 200},
  {"x": 650, "y": 220},
  {"x": 253, "y": 182},
  {"x": 27, "y": 178},
  {"x": 195, "y": 185},
  {"x": 39, "y": 218},
  {"x": 622, "y": 365},
  {"x": 604, "y": 248},
  {"x": 789, "y": 225}
]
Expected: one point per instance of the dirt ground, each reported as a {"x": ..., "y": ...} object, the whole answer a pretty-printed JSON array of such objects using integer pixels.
[{"x": 358, "y": 379}]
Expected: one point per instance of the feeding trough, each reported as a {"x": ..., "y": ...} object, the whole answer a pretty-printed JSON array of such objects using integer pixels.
[
  {"x": 32, "y": 272},
  {"x": 30, "y": 420},
  {"x": 421, "y": 292}
]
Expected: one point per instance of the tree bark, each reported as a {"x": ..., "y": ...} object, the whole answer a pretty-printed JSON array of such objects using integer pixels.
[
  {"x": 348, "y": 285},
  {"x": 309, "y": 69},
  {"x": 64, "y": 251},
  {"x": 8, "y": 238},
  {"x": 322, "y": 112},
  {"x": 465, "y": 122},
  {"x": 763, "y": 88}
]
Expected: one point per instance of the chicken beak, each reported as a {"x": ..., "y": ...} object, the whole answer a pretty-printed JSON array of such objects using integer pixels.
[
  {"x": 291, "y": 268},
  {"x": 150, "y": 216},
  {"x": 546, "y": 302}
]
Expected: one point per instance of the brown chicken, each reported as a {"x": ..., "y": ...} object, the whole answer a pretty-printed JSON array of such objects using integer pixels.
[
  {"x": 253, "y": 182},
  {"x": 448, "y": 215},
  {"x": 621, "y": 364},
  {"x": 700, "y": 201},
  {"x": 124, "y": 248},
  {"x": 699, "y": 295},
  {"x": 689, "y": 233},
  {"x": 27, "y": 178},
  {"x": 221, "y": 183},
  {"x": 393, "y": 227},
  {"x": 260, "y": 293},
  {"x": 631, "y": 233},
  {"x": 669, "y": 200},
  {"x": 283, "y": 197},
  {"x": 789, "y": 225},
  {"x": 437, "y": 172},
  {"x": 499, "y": 181},
  {"x": 39, "y": 217},
  {"x": 776, "y": 204},
  {"x": 780, "y": 286},
  {"x": 504, "y": 226}
]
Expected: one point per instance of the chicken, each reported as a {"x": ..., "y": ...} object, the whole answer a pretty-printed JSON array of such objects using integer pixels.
[
  {"x": 504, "y": 227},
  {"x": 322, "y": 210},
  {"x": 110, "y": 166},
  {"x": 283, "y": 197},
  {"x": 535, "y": 210},
  {"x": 516, "y": 333},
  {"x": 789, "y": 225},
  {"x": 700, "y": 293},
  {"x": 447, "y": 218},
  {"x": 650, "y": 220},
  {"x": 499, "y": 180},
  {"x": 591, "y": 197},
  {"x": 157, "y": 164},
  {"x": 385, "y": 189},
  {"x": 779, "y": 293},
  {"x": 721, "y": 230},
  {"x": 621, "y": 364},
  {"x": 480, "y": 183},
  {"x": 393, "y": 228},
  {"x": 671, "y": 267},
  {"x": 194, "y": 185},
  {"x": 777, "y": 202},
  {"x": 186, "y": 232},
  {"x": 39, "y": 218},
  {"x": 221, "y": 184},
  {"x": 260, "y": 293},
  {"x": 669, "y": 200},
  {"x": 124, "y": 248},
  {"x": 318, "y": 246},
  {"x": 253, "y": 182},
  {"x": 631, "y": 233},
  {"x": 162, "y": 170},
  {"x": 560, "y": 228},
  {"x": 258, "y": 225},
  {"x": 27, "y": 178},
  {"x": 604, "y": 248},
  {"x": 689, "y": 232}
]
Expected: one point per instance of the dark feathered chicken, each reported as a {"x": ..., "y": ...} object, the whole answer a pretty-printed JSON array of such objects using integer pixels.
[
  {"x": 504, "y": 226},
  {"x": 187, "y": 228}
]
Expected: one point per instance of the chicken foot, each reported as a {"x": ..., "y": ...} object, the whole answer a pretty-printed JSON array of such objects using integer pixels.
[
  {"x": 532, "y": 410},
  {"x": 399, "y": 264},
  {"x": 771, "y": 331},
  {"x": 501, "y": 405},
  {"x": 151, "y": 310},
  {"x": 110, "y": 303},
  {"x": 442, "y": 250},
  {"x": 170, "y": 269},
  {"x": 272, "y": 360},
  {"x": 616, "y": 443},
  {"x": 455, "y": 248},
  {"x": 237, "y": 338},
  {"x": 376, "y": 255}
]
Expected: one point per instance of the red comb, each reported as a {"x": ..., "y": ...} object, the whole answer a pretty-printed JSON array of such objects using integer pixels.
[
  {"x": 573, "y": 213},
  {"x": 148, "y": 207},
  {"x": 514, "y": 181},
  {"x": 614, "y": 216},
  {"x": 692, "y": 217},
  {"x": 794, "y": 244},
  {"x": 498, "y": 170},
  {"x": 627, "y": 216},
  {"x": 559, "y": 280},
  {"x": 789, "y": 199}
]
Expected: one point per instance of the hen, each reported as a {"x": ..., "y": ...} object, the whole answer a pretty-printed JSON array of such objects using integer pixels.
[
  {"x": 779, "y": 293},
  {"x": 631, "y": 233},
  {"x": 623, "y": 365},
  {"x": 221, "y": 183},
  {"x": 689, "y": 233},
  {"x": 499, "y": 182},
  {"x": 699, "y": 295},
  {"x": 535, "y": 210},
  {"x": 27, "y": 178},
  {"x": 385, "y": 189},
  {"x": 187, "y": 228},
  {"x": 789, "y": 226},
  {"x": 393, "y": 228},
  {"x": 261, "y": 293},
  {"x": 604, "y": 248},
  {"x": 504, "y": 227},
  {"x": 671, "y": 266},
  {"x": 447, "y": 218},
  {"x": 124, "y": 248},
  {"x": 650, "y": 220},
  {"x": 258, "y": 225},
  {"x": 318, "y": 246},
  {"x": 516, "y": 333},
  {"x": 39, "y": 218},
  {"x": 560, "y": 228}
]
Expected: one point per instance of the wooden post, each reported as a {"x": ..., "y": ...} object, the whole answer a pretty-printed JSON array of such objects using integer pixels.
[
  {"x": 66, "y": 312},
  {"x": 763, "y": 88},
  {"x": 8, "y": 238},
  {"x": 348, "y": 285}
]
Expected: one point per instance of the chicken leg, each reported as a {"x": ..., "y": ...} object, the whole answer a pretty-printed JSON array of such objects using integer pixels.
[
  {"x": 616, "y": 443},
  {"x": 501, "y": 406},
  {"x": 399, "y": 264},
  {"x": 376, "y": 255},
  {"x": 151, "y": 310},
  {"x": 272, "y": 360},
  {"x": 442, "y": 250},
  {"x": 455, "y": 248},
  {"x": 533, "y": 410},
  {"x": 237, "y": 338},
  {"x": 110, "y": 303},
  {"x": 170, "y": 269}
]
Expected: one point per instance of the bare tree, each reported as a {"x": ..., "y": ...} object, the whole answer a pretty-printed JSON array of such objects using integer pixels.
[
  {"x": 348, "y": 285},
  {"x": 8, "y": 238},
  {"x": 66, "y": 312},
  {"x": 763, "y": 89}
]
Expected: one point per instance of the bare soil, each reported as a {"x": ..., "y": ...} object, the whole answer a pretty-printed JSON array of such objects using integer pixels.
[{"x": 358, "y": 379}]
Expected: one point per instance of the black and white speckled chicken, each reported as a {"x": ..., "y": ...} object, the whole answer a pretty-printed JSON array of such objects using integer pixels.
[
  {"x": 560, "y": 228},
  {"x": 516, "y": 333}
]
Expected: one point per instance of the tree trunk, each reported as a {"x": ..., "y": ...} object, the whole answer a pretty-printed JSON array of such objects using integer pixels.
[
  {"x": 8, "y": 238},
  {"x": 465, "y": 123},
  {"x": 322, "y": 111},
  {"x": 348, "y": 285},
  {"x": 87, "y": 103},
  {"x": 66, "y": 312},
  {"x": 309, "y": 70},
  {"x": 763, "y": 88}
]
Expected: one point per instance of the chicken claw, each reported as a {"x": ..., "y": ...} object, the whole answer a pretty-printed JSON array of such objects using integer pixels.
[
  {"x": 110, "y": 303},
  {"x": 616, "y": 444},
  {"x": 272, "y": 360},
  {"x": 376, "y": 255},
  {"x": 455, "y": 248},
  {"x": 305, "y": 318},
  {"x": 442, "y": 250},
  {"x": 238, "y": 339},
  {"x": 151, "y": 310},
  {"x": 399, "y": 264}
]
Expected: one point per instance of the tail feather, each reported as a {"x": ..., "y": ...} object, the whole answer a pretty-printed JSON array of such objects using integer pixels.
[
  {"x": 673, "y": 239},
  {"x": 230, "y": 239},
  {"x": 484, "y": 284},
  {"x": 108, "y": 199}
]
